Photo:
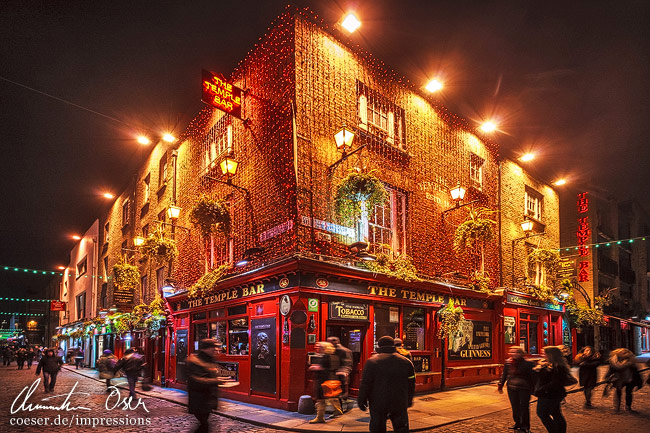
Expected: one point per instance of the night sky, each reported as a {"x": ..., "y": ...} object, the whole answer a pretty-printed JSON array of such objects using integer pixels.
[{"x": 568, "y": 80}]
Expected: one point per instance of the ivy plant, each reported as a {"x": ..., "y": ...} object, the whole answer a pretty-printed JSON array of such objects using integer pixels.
[
  {"x": 476, "y": 231},
  {"x": 398, "y": 266},
  {"x": 210, "y": 216},
  {"x": 125, "y": 275},
  {"x": 159, "y": 249},
  {"x": 207, "y": 282},
  {"x": 356, "y": 189},
  {"x": 451, "y": 319}
]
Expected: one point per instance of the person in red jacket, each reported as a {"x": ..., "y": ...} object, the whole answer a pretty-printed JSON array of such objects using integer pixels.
[{"x": 387, "y": 386}]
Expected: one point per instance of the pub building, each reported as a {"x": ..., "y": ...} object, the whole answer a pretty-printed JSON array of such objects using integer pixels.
[
  {"x": 268, "y": 322},
  {"x": 532, "y": 324}
]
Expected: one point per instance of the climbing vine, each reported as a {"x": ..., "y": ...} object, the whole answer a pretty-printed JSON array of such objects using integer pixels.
[{"x": 399, "y": 266}]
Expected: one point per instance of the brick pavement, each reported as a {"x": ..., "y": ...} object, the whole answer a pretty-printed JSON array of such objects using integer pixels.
[{"x": 162, "y": 416}]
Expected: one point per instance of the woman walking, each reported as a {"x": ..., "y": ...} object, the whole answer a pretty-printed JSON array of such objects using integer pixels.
[
  {"x": 518, "y": 376},
  {"x": 325, "y": 365},
  {"x": 552, "y": 375},
  {"x": 588, "y": 362},
  {"x": 623, "y": 373},
  {"x": 105, "y": 364}
]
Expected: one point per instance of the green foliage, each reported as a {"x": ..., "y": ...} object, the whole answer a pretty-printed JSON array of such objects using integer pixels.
[
  {"x": 451, "y": 319},
  {"x": 543, "y": 293},
  {"x": 210, "y": 216},
  {"x": 398, "y": 266},
  {"x": 122, "y": 323},
  {"x": 581, "y": 316},
  {"x": 546, "y": 257},
  {"x": 77, "y": 333},
  {"x": 125, "y": 275},
  {"x": 207, "y": 282},
  {"x": 477, "y": 228},
  {"x": 355, "y": 189},
  {"x": 159, "y": 249},
  {"x": 480, "y": 282}
]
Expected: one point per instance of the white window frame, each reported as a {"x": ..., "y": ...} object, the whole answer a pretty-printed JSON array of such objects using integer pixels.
[
  {"x": 163, "y": 165},
  {"x": 217, "y": 143},
  {"x": 221, "y": 253},
  {"x": 533, "y": 204},
  {"x": 147, "y": 188},
  {"x": 376, "y": 114},
  {"x": 397, "y": 222},
  {"x": 476, "y": 164},
  {"x": 126, "y": 217}
]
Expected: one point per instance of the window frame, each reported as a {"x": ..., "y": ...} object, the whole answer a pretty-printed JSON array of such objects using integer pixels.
[
  {"x": 81, "y": 305},
  {"x": 126, "y": 212},
  {"x": 147, "y": 189},
  {"x": 537, "y": 199},
  {"x": 217, "y": 143},
  {"x": 476, "y": 164},
  {"x": 379, "y": 116},
  {"x": 82, "y": 267},
  {"x": 162, "y": 170},
  {"x": 397, "y": 226}
]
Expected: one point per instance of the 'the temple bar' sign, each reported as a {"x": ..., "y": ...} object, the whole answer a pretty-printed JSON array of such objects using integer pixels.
[{"x": 219, "y": 93}]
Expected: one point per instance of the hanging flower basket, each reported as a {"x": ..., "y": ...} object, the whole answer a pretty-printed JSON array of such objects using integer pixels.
[
  {"x": 399, "y": 266},
  {"x": 478, "y": 227},
  {"x": 355, "y": 189},
  {"x": 211, "y": 216},
  {"x": 451, "y": 319},
  {"x": 206, "y": 283},
  {"x": 159, "y": 249},
  {"x": 480, "y": 282},
  {"x": 125, "y": 275}
]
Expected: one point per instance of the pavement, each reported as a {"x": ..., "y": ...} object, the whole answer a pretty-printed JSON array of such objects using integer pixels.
[{"x": 429, "y": 411}]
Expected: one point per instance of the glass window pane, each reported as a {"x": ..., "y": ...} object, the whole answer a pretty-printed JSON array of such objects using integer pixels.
[
  {"x": 533, "y": 339},
  {"x": 239, "y": 309},
  {"x": 413, "y": 330},
  {"x": 217, "y": 313},
  {"x": 385, "y": 322},
  {"x": 238, "y": 336},
  {"x": 218, "y": 332},
  {"x": 200, "y": 332},
  {"x": 199, "y": 316}
]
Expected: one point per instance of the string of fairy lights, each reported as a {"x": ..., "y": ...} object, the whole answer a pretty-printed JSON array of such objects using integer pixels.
[
  {"x": 621, "y": 242},
  {"x": 42, "y": 272}
]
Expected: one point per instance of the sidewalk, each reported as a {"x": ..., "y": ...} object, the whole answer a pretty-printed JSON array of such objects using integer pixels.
[{"x": 428, "y": 411}]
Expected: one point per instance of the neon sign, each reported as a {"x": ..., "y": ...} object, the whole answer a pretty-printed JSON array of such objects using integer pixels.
[
  {"x": 219, "y": 93},
  {"x": 582, "y": 234}
]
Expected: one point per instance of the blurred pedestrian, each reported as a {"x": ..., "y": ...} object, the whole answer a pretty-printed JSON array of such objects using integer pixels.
[
  {"x": 588, "y": 361},
  {"x": 518, "y": 377},
  {"x": 399, "y": 346},
  {"x": 78, "y": 358},
  {"x": 325, "y": 364},
  {"x": 623, "y": 373},
  {"x": 344, "y": 370},
  {"x": 203, "y": 382},
  {"x": 106, "y": 364},
  {"x": 30, "y": 357},
  {"x": 553, "y": 375},
  {"x": 387, "y": 386},
  {"x": 6, "y": 356},
  {"x": 131, "y": 364},
  {"x": 50, "y": 364},
  {"x": 21, "y": 357}
]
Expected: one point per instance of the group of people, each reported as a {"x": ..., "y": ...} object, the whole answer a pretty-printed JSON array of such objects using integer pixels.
[
  {"x": 131, "y": 364},
  {"x": 548, "y": 378},
  {"x": 22, "y": 356}
]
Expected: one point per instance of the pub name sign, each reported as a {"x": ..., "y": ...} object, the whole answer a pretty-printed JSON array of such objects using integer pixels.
[{"x": 219, "y": 93}]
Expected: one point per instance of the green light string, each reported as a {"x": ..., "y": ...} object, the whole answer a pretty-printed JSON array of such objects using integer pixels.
[
  {"x": 22, "y": 314},
  {"x": 41, "y": 272},
  {"x": 606, "y": 244},
  {"x": 27, "y": 299}
]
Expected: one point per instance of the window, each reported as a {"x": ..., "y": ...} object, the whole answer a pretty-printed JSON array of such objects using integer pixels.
[
  {"x": 145, "y": 231},
  {"x": 238, "y": 336},
  {"x": 81, "y": 306},
  {"x": 218, "y": 333},
  {"x": 217, "y": 142},
  {"x": 220, "y": 249},
  {"x": 106, "y": 270},
  {"x": 413, "y": 329},
  {"x": 379, "y": 116},
  {"x": 147, "y": 188},
  {"x": 144, "y": 283},
  {"x": 160, "y": 279},
  {"x": 125, "y": 213},
  {"x": 82, "y": 267},
  {"x": 104, "y": 296},
  {"x": 533, "y": 204},
  {"x": 107, "y": 226},
  {"x": 162, "y": 216},
  {"x": 528, "y": 324},
  {"x": 386, "y": 223},
  {"x": 162, "y": 171},
  {"x": 476, "y": 171}
]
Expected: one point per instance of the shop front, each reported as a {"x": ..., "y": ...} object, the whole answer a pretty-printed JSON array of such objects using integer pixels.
[
  {"x": 532, "y": 324},
  {"x": 269, "y": 321}
]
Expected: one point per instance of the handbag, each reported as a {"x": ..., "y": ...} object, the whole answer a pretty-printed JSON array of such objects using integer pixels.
[{"x": 331, "y": 388}]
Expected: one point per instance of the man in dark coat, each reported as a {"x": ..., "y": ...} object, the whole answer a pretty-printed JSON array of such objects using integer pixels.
[
  {"x": 132, "y": 364},
  {"x": 588, "y": 361},
  {"x": 203, "y": 382},
  {"x": 387, "y": 385},
  {"x": 50, "y": 364}
]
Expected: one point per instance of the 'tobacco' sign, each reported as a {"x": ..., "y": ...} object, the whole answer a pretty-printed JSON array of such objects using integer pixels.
[{"x": 219, "y": 93}]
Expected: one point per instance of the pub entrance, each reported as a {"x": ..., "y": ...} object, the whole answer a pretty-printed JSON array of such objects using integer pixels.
[{"x": 351, "y": 336}]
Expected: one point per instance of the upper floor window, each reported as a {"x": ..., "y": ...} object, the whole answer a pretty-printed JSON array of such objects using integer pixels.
[
  {"x": 476, "y": 171},
  {"x": 220, "y": 250},
  {"x": 81, "y": 306},
  {"x": 217, "y": 143},
  {"x": 379, "y": 116},
  {"x": 125, "y": 213},
  {"x": 386, "y": 223},
  {"x": 147, "y": 188},
  {"x": 145, "y": 231},
  {"x": 533, "y": 204},
  {"x": 162, "y": 171},
  {"x": 82, "y": 267},
  {"x": 107, "y": 226}
]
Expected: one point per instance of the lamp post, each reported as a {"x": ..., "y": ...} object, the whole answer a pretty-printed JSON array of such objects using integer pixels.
[
  {"x": 457, "y": 194},
  {"x": 527, "y": 228},
  {"x": 344, "y": 139}
]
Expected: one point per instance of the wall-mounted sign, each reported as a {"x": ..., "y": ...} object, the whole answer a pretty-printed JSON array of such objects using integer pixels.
[
  {"x": 509, "y": 323},
  {"x": 263, "y": 375},
  {"x": 567, "y": 268},
  {"x": 422, "y": 363},
  {"x": 123, "y": 298},
  {"x": 277, "y": 230},
  {"x": 327, "y": 226},
  {"x": 228, "y": 369},
  {"x": 322, "y": 282},
  {"x": 348, "y": 311},
  {"x": 57, "y": 306},
  {"x": 312, "y": 305},
  {"x": 583, "y": 234},
  {"x": 285, "y": 305},
  {"x": 516, "y": 299},
  {"x": 221, "y": 94},
  {"x": 472, "y": 341}
]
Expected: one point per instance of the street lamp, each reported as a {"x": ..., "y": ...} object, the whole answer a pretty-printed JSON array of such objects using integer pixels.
[
  {"x": 138, "y": 241},
  {"x": 173, "y": 212},
  {"x": 344, "y": 139},
  {"x": 434, "y": 86},
  {"x": 457, "y": 194},
  {"x": 351, "y": 23},
  {"x": 489, "y": 126},
  {"x": 527, "y": 228}
]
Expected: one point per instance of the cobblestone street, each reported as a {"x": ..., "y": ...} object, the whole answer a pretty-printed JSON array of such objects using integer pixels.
[{"x": 162, "y": 416}]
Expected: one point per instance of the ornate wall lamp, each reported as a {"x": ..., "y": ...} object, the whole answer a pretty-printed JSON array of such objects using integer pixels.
[
  {"x": 527, "y": 228},
  {"x": 457, "y": 195},
  {"x": 344, "y": 140}
]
